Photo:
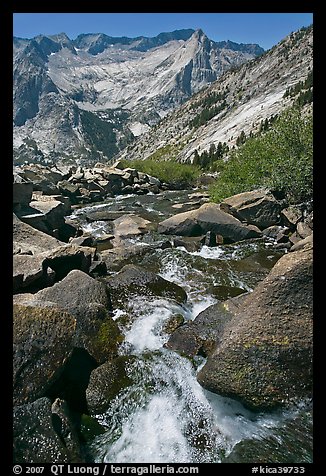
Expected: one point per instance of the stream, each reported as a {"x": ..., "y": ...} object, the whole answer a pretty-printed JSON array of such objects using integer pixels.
[{"x": 164, "y": 415}]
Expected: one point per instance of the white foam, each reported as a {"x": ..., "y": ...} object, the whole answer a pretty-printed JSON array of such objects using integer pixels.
[
  {"x": 145, "y": 333},
  {"x": 209, "y": 252}
]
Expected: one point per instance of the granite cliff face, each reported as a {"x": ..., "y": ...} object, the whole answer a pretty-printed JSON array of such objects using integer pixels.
[
  {"x": 91, "y": 96},
  {"x": 236, "y": 103}
]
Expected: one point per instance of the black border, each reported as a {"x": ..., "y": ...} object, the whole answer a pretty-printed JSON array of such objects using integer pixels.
[{"x": 236, "y": 6}]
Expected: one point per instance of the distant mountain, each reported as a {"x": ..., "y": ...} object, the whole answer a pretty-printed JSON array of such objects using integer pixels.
[
  {"x": 90, "y": 97},
  {"x": 235, "y": 104},
  {"x": 253, "y": 49}
]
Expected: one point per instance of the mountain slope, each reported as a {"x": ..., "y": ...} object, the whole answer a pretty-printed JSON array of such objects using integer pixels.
[
  {"x": 91, "y": 96},
  {"x": 236, "y": 103}
]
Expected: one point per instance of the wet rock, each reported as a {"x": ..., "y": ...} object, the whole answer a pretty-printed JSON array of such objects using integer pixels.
[
  {"x": 209, "y": 239},
  {"x": 191, "y": 243},
  {"x": 290, "y": 443},
  {"x": 106, "y": 382},
  {"x": 42, "y": 342},
  {"x": 63, "y": 423},
  {"x": 201, "y": 335},
  {"x": 134, "y": 279},
  {"x": 258, "y": 207},
  {"x": 141, "y": 189},
  {"x": 38, "y": 438},
  {"x": 264, "y": 358},
  {"x": 121, "y": 255},
  {"x": 207, "y": 218},
  {"x": 283, "y": 246},
  {"x": 104, "y": 215},
  {"x": 166, "y": 244},
  {"x": 153, "y": 181},
  {"x": 173, "y": 324},
  {"x": 225, "y": 292},
  {"x": 127, "y": 189},
  {"x": 197, "y": 195}
]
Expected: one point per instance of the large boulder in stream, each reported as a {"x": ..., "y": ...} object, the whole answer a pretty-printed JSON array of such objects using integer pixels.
[
  {"x": 264, "y": 357},
  {"x": 42, "y": 341},
  {"x": 206, "y": 218},
  {"x": 201, "y": 335},
  {"x": 258, "y": 207},
  {"x": 88, "y": 300},
  {"x": 105, "y": 382},
  {"x": 58, "y": 327},
  {"x": 137, "y": 280}
]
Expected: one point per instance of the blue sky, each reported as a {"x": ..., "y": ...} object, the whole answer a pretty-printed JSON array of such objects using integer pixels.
[{"x": 266, "y": 29}]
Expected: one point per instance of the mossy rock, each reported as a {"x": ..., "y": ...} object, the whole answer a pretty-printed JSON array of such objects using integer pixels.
[
  {"x": 105, "y": 341},
  {"x": 106, "y": 382},
  {"x": 43, "y": 341},
  {"x": 88, "y": 301},
  {"x": 173, "y": 323},
  {"x": 264, "y": 358}
]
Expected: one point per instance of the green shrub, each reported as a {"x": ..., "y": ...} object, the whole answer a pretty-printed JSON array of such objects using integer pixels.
[
  {"x": 170, "y": 172},
  {"x": 280, "y": 159}
]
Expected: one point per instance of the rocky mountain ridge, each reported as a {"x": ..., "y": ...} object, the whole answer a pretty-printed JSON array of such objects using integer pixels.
[
  {"x": 236, "y": 103},
  {"x": 91, "y": 96}
]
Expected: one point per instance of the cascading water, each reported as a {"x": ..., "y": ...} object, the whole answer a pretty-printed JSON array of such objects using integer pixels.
[{"x": 165, "y": 416}]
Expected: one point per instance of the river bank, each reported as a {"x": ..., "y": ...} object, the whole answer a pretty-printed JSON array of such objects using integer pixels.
[{"x": 143, "y": 270}]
